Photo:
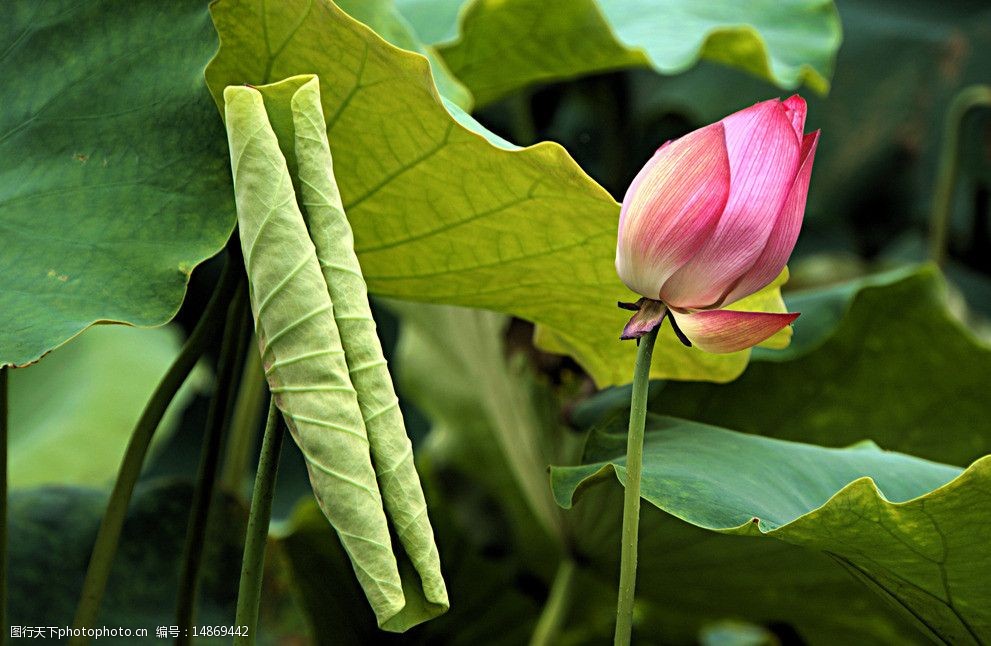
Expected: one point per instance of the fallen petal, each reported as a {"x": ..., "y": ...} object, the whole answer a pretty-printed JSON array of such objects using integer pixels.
[{"x": 720, "y": 331}]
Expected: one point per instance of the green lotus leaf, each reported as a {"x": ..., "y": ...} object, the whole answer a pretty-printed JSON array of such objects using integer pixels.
[
  {"x": 440, "y": 212},
  {"x": 911, "y": 529},
  {"x": 114, "y": 183},
  {"x": 496, "y": 47},
  {"x": 491, "y": 466}
]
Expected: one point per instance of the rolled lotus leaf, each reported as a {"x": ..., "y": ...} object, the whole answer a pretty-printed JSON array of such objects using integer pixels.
[
  {"x": 392, "y": 452},
  {"x": 302, "y": 352}
]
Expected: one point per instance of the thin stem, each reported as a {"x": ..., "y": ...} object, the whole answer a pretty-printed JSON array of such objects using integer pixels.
[
  {"x": 248, "y": 409},
  {"x": 108, "y": 536},
  {"x": 218, "y": 417},
  {"x": 974, "y": 96},
  {"x": 4, "y": 507},
  {"x": 556, "y": 609},
  {"x": 631, "y": 499},
  {"x": 253, "y": 564}
]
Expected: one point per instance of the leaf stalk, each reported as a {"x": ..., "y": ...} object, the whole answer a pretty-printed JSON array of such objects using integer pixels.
[
  {"x": 108, "y": 536},
  {"x": 219, "y": 414},
  {"x": 558, "y": 604},
  {"x": 253, "y": 563}
]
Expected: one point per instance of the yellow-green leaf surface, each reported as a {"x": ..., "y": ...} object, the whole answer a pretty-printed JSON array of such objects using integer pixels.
[
  {"x": 440, "y": 213},
  {"x": 385, "y": 19},
  {"x": 914, "y": 531},
  {"x": 392, "y": 452},
  {"x": 113, "y": 177},
  {"x": 501, "y": 45},
  {"x": 302, "y": 353}
]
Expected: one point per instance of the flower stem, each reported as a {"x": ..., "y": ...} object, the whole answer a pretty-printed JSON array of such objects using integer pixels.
[
  {"x": 4, "y": 507},
  {"x": 969, "y": 98},
  {"x": 218, "y": 417},
  {"x": 631, "y": 500},
  {"x": 556, "y": 609},
  {"x": 253, "y": 564},
  {"x": 108, "y": 535}
]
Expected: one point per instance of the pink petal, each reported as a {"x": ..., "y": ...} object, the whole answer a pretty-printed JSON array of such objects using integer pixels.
[
  {"x": 720, "y": 331},
  {"x": 795, "y": 108},
  {"x": 763, "y": 158},
  {"x": 672, "y": 208},
  {"x": 782, "y": 240}
]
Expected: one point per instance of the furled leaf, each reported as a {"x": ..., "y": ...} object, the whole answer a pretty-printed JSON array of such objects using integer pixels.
[
  {"x": 914, "y": 531},
  {"x": 385, "y": 19},
  {"x": 51, "y": 537},
  {"x": 439, "y": 213},
  {"x": 302, "y": 352},
  {"x": 392, "y": 452},
  {"x": 87, "y": 397},
  {"x": 507, "y": 44},
  {"x": 898, "y": 368},
  {"x": 113, "y": 182}
]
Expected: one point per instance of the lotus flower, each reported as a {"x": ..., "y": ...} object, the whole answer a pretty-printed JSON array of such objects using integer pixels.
[{"x": 712, "y": 218}]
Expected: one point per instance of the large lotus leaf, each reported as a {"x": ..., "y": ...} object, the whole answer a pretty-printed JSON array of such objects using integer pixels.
[
  {"x": 440, "y": 213},
  {"x": 914, "y": 531},
  {"x": 898, "y": 368},
  {"x": 454, "y": 367},
  {"x": 114, "y": 182},
  {"x": 690, "y": 577},
  {"x": 385, "y": 19},
  {"x": 51, "y": 536},
  {"x": 86, "y": 398},
  {"x": 503, "y": 45}
]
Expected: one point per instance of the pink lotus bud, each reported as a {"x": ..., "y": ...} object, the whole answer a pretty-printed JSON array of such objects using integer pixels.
[{"x": 713, "y": 217}]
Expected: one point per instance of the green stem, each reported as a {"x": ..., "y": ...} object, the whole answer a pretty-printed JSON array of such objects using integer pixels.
[
  {"x": 253, "y": 564},
  {"x": 631, "y": 499},
  {"x": 248, "y": 409},
  {"x": 4, "y": 430},
  {"x": 974, "y": 96},
  {"x": 556, "y": 609},
  {"x": 218, "y": 416},
  {"x": 108, "y": 536}
]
